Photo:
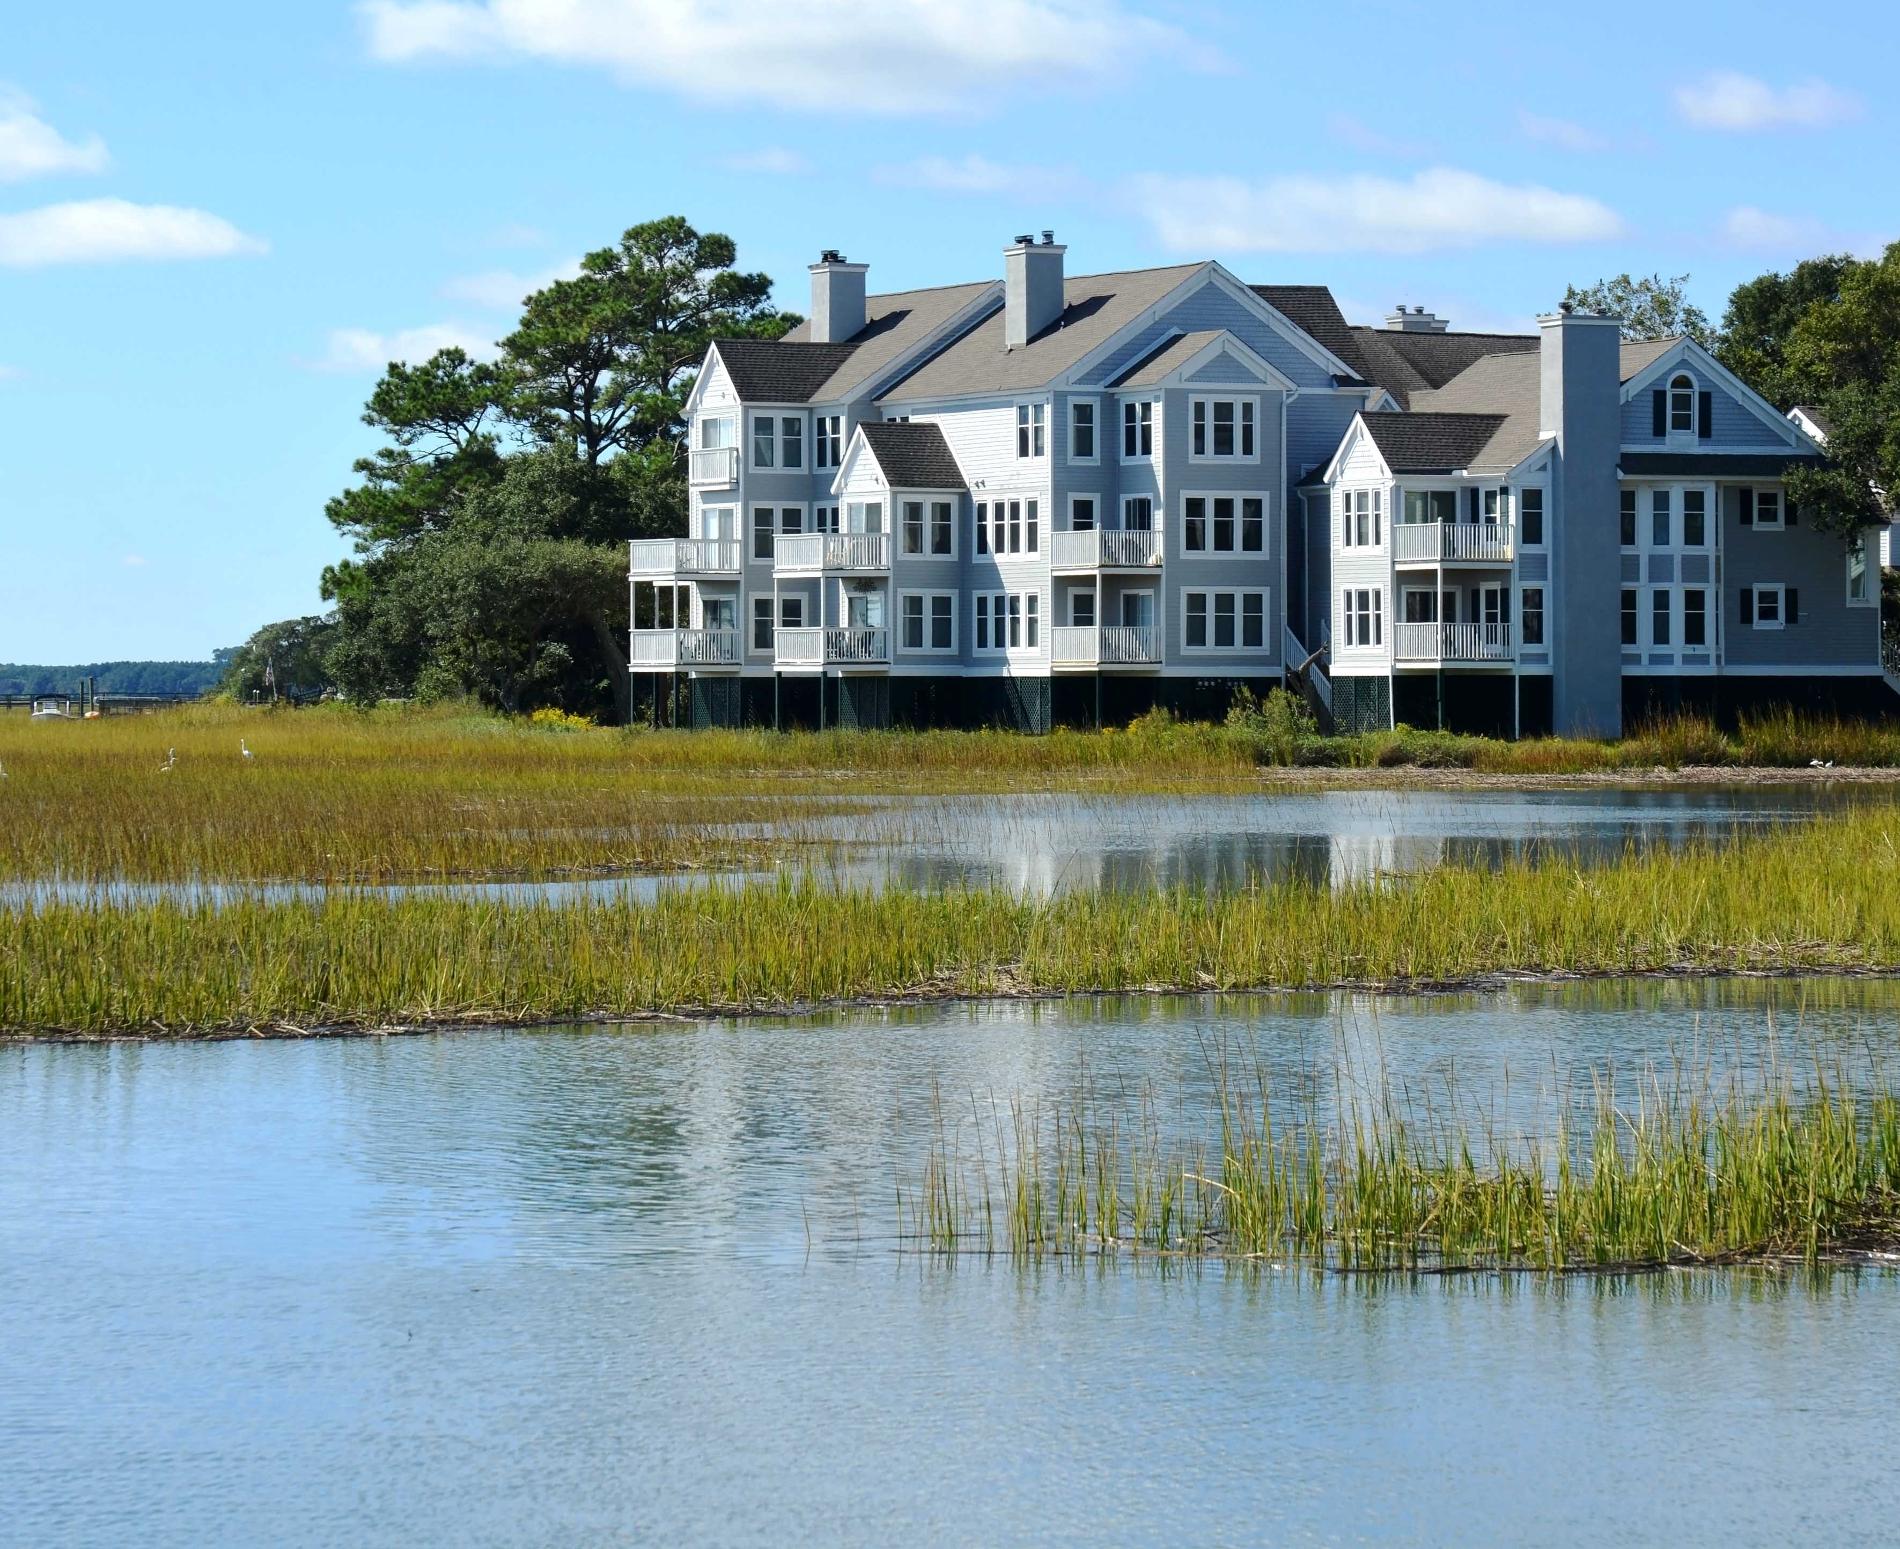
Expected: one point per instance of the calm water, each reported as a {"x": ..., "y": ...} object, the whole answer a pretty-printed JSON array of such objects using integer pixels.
[
  {"x": 641, "y": 1286},
  {"x": 1045, "y": 843}
]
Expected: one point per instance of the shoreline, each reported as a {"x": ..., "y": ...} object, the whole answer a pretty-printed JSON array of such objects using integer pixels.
[{"x": 1485, "y": 983}]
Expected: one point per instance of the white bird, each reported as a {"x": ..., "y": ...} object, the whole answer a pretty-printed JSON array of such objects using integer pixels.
[
  {"x": 1815, "y": 763},
  {"x": 171, "y": 758},
  {"x": 3, "y": 771},
  {"x": 244, "y": 748}
]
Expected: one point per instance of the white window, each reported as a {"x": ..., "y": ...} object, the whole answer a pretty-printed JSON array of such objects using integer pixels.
[
  {"x": 1682, "y": 404},
  {"x": 824, "y": 518},
  {"x": 1531, "y": 615},
  {"x": 1138, "y": 432},
  {"x": 1361, "y": 518},
  {"x": 1659, "y": 519},
  {"x": 791, "y": 612},
  {"x": 1008, "y": 621},
  {"x": 1223, "y": 620},
  {"x": 1363, "y": 615},
  {"x": 1765, "y": 507},
  {"x": 764, "y": 441},
  {"x": 1628, "y": 522},
  {"x": 791, "y": 436},
  {"x": 1007, "y": 528},
  {"x": 718, "y": 430},
  {"x": 1770, "y": 609},
  {"x": 1530, "y": 516},
  {"x": 761, "y": 623},
  {"x": 1082, "y": 608},
  {"x": 864, "y": 516},
  {"x": 913, "y": 527},
  {"x": 943, "y": 529},
  {"x": 1695, "y": 519},
  {"x": 764, "y": 525},
  {"x": 1860, "y": 592},
  {"x": 1222, "y": 429},
  {"x": 1224, "y": 524},
  {"x": 1695, "y": 616},
  {"x": 1138, "y": 513},
  {"x": 828, "y": 441},
  {"x": 927, "y": 621},
  {"x": 1082, "y": 430},
  {"x": 1081, "y": 513},
  {"x": 719, "y": 521},
  {"x": 928, "y": 528},
  {"x": 1029, "y": 429}
]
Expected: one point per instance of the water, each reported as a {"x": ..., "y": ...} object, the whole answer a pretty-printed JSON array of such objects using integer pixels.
[
  {"x": 1044, "y": 843},
  {"x": 642, "y": 1285}
]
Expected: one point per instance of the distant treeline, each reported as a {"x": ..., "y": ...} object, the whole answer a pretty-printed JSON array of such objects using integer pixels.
[{"x": 116, "y": 677}]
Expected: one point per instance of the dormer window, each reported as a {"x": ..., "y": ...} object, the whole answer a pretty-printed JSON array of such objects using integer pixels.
[{"x": 1682, "y": 405}]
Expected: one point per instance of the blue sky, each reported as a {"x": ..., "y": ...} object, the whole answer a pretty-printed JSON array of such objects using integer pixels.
[{"x": 217, "y": 220}]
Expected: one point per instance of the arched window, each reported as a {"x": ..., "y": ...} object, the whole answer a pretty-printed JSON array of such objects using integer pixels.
[{"x": 1682, "y": 402}]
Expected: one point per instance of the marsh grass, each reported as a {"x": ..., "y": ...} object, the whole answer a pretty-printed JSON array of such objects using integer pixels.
[
  {"x": 1687, "y": 1175},
  {"x": 1822, "y": 897}
]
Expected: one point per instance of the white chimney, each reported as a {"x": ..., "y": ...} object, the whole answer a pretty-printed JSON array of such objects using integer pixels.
[
  {"x": 1032, "y": 287},
  {"x": 837, "y": 298},
  {"x": 1418, "y": 320}
]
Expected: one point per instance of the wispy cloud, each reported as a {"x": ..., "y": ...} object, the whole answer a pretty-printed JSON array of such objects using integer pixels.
[
  {"x": 978, "y": 175},
  {"x": 1739, "y": 104},
  {"x": 114, "y": 230},
  {"x": 1441, "y": 208},
  {"x": 1751, "y": 229},
  {"x": 10, "y": 373},
  {"x": 503, "y": 289},
  {"x": 773, "y": 160},
  {"x": 1561, "y": 133},
  {"x": 133, "y": 561},
  {"x": 31, "y": 147},
  {"x": 832, "y": 56},
  {"x": 1361, "y": 136},
  {"x": 364, "y": 349}
]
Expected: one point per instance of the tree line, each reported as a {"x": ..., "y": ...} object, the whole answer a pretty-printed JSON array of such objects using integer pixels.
[{"x": 489, "y": 531}]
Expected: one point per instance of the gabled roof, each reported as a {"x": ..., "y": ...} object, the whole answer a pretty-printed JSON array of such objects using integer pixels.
[
  {"x": 913, "y": 456},
  {"x": 1430, "y": 443},
  {"x": 774, "y": 371},
  {"x": 1188, "y": 355},
  {"x": 1095, "y": 308},
  {"x": 1823, "y": 427},
  {"x": 1312, "y": 310},
  {"x": 1407, "y": 363},
  {"x": 1506, "y": 386},
  {"x": 1167, "y": 357},
  {"x": 895, "y": 325}
]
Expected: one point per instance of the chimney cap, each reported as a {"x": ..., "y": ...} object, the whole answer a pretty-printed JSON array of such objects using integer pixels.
[
  {"x": 831, "y": 256},
  {"x": 1565, "y": 307},
  {"x": 1024, "y": 239},
  {"x": 1048, "y": 237}
]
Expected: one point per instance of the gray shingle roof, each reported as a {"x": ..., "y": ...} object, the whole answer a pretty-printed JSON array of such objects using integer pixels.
[
  {"x": 1816, "y": 418},
  {"x": 895, "y": 324},
  {"x": 1096, "y": 307},
  {"x": 1170, "y": 355},
  {"x": 1431, "y": 443},
  {"x": 1407, "y": 363},
  {"x": 1311, "y": 309},
  {"x": 773, "y": 371},
  {"x": 1636, "y": 354},
  {"x": 913, "y": 456},
  {"x": 1507, "y": 386}
]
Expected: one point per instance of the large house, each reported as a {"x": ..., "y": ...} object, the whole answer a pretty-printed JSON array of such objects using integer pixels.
[{"x": 1048, "y": 497}]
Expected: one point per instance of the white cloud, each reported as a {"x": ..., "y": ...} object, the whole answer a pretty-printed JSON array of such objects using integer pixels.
[
  {"x": 834, "y": 56},
  {"x": 773, "y": 160},
  {"x": 975, "y": 174},
  {"x": 134, "y": 561},
  {"x": 10, "y": 373},
  {"x": 1560, "y": 132},
  {"x": 363, "y": 349},
  {"x": 107, "y": 230},
  {"x": 1361, "y": 136},
  {"x": 1299, "y": 213},
  {"x": 1749, "y": 227},
  {"x": 1728, "y": 100},
  {"x": 31, "y": 147},
  {"x": 505, "y": 289}
]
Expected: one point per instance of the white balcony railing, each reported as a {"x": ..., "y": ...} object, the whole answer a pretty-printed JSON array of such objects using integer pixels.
[
  {"x": 807, "y": 553},
  {"x": 713, "y": 466},
  {"x": 684, "y": 556},
  {"x": 1110, "y": 645},
  {"x": 1453, "y": 643},
  {"x": 1436, "y": 541},
  {"x": 685, "y": 648},
  {"x": 1100, "y": 549},
  {"x": 845, "y": 645}
]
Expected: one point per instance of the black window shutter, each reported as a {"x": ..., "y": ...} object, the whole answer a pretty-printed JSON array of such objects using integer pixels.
[
  {"x": 1659, "y": 413},
  {"x": 1748, "y": 604},
  {"x": 1748, "y": 508},
  {"x": 1794, "y": 606},
  {"x": 1790, "y": 517},
  {"x": 1705, "y": 415}
]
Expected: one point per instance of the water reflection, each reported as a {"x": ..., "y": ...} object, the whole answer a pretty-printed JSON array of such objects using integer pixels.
[{"x": 597, "y": 1285}]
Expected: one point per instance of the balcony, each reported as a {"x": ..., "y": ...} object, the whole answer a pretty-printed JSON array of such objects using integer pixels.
[
  {"x": 667, "y": 649},
  {"x": 713, "y": 467},
  {"x": 811, "y": 553},
  {"x": 683, "y": 556},
  {"x": 1452, "y": 643},
  {"x": 1110, "y": 645},
  {"x": 1435, "y": 543},
  {"x": 847, "y": 645},
  {"x": 1100, "y": 549}
]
